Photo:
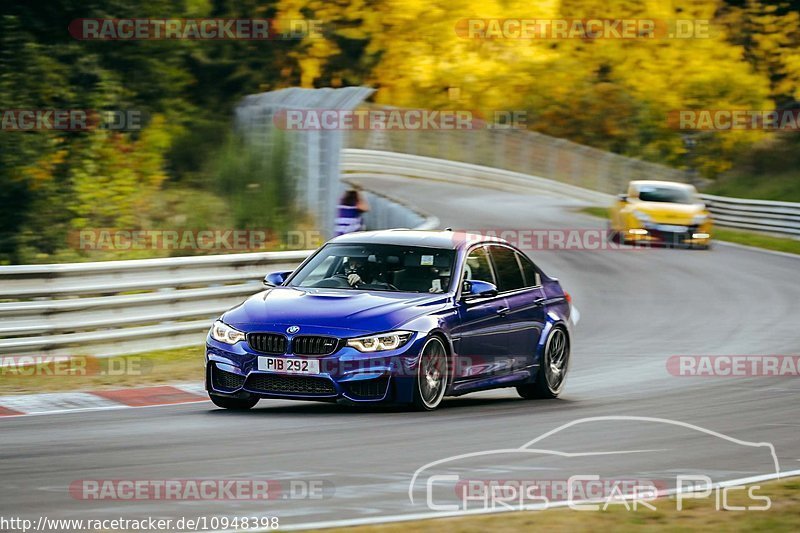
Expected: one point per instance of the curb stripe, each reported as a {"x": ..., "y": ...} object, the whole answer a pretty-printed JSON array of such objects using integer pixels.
[
  {"x": 149, "y": 396},
  {"x": 70, "y": 402}
]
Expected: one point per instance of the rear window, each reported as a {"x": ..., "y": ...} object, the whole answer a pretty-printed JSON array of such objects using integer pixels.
[{"x": 672, "y": 195}]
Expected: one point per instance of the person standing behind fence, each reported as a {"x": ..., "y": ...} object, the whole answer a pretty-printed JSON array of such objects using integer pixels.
[{"x": 349, "y": 216}]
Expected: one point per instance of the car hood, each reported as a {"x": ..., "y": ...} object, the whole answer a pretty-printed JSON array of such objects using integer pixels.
[
  {"x": 321, "y": 311},
  {"x": 667, "y": 213}
]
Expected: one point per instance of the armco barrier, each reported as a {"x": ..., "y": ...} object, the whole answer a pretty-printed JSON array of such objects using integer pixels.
[
  {"x": 118, "y": 307},
  {"x": 761, "y": 215}
]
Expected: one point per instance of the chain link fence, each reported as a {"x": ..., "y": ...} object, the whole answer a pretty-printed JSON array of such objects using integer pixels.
[
  {"x": 517, "y": 150},
  {"x": 314, "y": 153}
]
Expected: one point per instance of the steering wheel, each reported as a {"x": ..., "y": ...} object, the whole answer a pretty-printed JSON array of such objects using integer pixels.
[{"x": 337, "y": 281}]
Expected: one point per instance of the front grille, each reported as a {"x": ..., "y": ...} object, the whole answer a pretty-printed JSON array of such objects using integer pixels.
[
  {"x": 276, "y": 383},
  {"x": 226, "y": 380},
  {"x": 274, "y": 343},
  {"x": 369, "y": 388},
  {"x": 313, "y": 345}
]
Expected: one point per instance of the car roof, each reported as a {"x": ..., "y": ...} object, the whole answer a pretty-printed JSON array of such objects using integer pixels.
[
  {"x": 453, "y": 240},
  {"x": 657, "y": 183}
]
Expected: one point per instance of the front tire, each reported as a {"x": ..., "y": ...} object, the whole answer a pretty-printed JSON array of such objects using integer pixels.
[
  {"x": 552, "y": 371},
  {"x": 233, "y": 404},
  {"x": 432, "y": 374}
]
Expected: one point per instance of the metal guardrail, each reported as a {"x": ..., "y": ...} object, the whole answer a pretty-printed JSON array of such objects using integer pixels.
[
  {"x": 118, "y": 307},
  {"x": 760, "y": 215}
]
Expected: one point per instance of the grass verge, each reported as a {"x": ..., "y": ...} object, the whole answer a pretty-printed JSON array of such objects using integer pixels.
[
  {"x": 700, "y": 514},
  {"x": 90, "y": 373},
  {"x": 747, "y": 238}
]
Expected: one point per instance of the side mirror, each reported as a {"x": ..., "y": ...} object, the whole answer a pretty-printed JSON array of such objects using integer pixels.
[
  {"x": 273, "y": 279},
  {"x": 622, "y": 197},
  {"x": 479, "y": 289}
]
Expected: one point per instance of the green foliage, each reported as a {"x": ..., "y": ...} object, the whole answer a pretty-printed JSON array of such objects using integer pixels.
[
  {"x": 256, "y": 181},
  {"x": 52, "y": 183},
  {"x": 769, "y": 171}
]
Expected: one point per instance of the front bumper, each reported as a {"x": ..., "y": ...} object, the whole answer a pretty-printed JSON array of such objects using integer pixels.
[
  {"x": 668, "y": 234},
  {"x": 346, "y": 375}
]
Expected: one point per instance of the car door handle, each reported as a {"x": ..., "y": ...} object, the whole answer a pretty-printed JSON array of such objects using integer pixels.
[
  {"x": 539, "y": 301},
  {"x": 502, "y": 311}
]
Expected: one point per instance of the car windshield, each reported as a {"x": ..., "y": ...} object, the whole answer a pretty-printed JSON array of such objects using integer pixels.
[
  {"x": 381, "y": 267},
  {"x": 675, "y": 195}
]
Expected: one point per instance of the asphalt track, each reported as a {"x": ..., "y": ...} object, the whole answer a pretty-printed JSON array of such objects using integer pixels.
[{"x": 638, "y": 307}]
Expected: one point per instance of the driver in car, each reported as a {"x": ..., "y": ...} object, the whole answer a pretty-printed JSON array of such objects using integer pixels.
[{"x": 359, "y": 270}]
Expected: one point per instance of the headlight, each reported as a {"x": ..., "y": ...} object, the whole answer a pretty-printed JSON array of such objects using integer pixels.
[
  {"x": 642, "y": 217},
  {"x": 222, "y": 332},
  {"x": 381, "y": 342},
  {"x": 699, "y": 219}
]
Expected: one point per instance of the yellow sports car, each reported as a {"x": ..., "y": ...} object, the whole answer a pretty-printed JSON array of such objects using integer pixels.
[{"x": 662, "y": 212}]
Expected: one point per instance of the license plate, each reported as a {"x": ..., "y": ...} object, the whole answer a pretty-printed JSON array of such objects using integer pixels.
[
  {"x": 281, "y": 365},
  {"x": 672, "y": 229}
]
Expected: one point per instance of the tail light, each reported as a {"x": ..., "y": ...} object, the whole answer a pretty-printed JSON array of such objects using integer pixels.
[{"x": 568, "y": 297}]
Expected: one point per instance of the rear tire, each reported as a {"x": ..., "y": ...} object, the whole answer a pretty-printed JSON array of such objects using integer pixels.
[
  {"x": 432, "y": 376},
  {"x": 233, "y": 404},
  {"x": 552, "y": 371}
]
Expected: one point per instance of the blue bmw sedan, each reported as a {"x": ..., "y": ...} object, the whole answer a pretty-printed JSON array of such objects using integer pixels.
[{"x": 397, "y": 316}]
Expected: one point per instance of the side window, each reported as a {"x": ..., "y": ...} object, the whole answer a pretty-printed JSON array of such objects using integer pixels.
[
  {"x": 529, "y": 271},
  {"x": 509, "y": 275},
  {"x": 477, "y": 266}
]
